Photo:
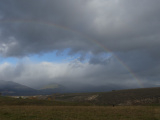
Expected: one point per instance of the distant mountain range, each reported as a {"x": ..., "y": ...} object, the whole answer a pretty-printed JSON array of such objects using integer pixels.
[{"x": 15, "y": 89}]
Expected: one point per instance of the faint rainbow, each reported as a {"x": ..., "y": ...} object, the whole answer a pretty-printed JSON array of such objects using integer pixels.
[
  {"x": 121, "y": 62},
  {"x": 51, "y": 24}
]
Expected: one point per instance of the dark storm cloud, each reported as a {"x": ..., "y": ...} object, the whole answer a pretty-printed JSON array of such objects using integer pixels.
[
  {"x": 23, "y": 18},
  {"x": 127, "y": 28},
  {"x": 119, "y": 25}
]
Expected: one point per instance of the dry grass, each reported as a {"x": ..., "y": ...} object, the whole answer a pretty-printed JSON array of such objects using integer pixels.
[{"x": 79, "y": 113}]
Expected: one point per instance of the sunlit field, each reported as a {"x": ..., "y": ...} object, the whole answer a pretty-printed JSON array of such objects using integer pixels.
[{"x": 79, "y": 113}]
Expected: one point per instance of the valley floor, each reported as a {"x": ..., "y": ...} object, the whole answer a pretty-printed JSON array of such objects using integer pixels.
[{"x": 79, "y": 113}]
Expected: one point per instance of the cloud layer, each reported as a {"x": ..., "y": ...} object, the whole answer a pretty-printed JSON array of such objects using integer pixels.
[{"x": 68, "y": 74}]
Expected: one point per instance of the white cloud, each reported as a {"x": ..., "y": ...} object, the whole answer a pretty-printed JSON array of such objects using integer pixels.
[{"x": 74, "y": 73}]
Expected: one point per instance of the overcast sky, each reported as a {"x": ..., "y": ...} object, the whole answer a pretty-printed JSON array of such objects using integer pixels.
[{"x": 96, "y": 42}]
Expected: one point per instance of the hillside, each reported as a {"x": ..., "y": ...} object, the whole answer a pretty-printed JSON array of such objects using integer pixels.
[
  {"x": 51, "y": 88},
  {"x": 13, "y": 88},
  {"x": 120, "y": 97}
]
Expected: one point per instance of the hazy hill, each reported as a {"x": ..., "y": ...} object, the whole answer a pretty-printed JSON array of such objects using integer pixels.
[
  {"x": 52, "y": 88},
  {"x": 75, "y": 88},
  {"x": 13, "y": 88}
]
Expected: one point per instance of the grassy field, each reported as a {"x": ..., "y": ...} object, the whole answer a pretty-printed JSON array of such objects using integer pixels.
[
  {"x": 74, "y": 107},
  {"x": 79, "y": 113}
]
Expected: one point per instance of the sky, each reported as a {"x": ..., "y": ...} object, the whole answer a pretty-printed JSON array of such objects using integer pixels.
[{"x": 80, "y": 42}]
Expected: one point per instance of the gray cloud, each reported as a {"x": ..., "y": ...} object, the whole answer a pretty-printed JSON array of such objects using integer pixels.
[
  {"x": 129, "y": 29},
  {"x": 118, "y": 25}
]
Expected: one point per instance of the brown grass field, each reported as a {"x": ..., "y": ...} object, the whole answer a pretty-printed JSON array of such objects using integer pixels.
[
  {"x": 75, "y": 106},
  {"x": 79, "y": 112}
]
